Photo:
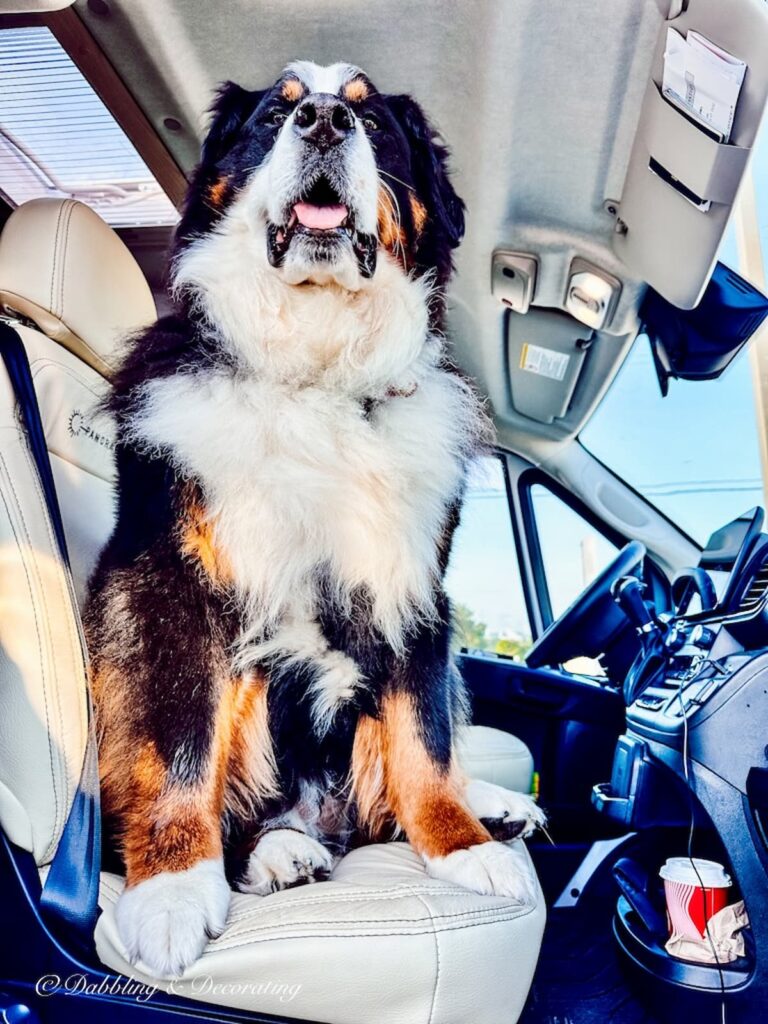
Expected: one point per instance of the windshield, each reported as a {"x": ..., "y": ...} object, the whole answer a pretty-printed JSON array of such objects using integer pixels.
[{"x": 696, "y": 454}]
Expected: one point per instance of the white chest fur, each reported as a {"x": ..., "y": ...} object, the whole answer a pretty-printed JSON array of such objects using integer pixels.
[{"x": 299, "y": 479}]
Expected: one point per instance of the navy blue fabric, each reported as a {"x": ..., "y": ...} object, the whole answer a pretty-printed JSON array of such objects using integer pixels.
[
  {"x": 699, "y": 343},
  {"x": 71, "y": 889}
]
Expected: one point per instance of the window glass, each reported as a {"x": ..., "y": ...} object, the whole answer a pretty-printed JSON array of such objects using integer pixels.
[
  {"x": 58, "y": 139},
  {"x": 694, "y": 454},
  {"x": 483, "y": 578},
  {"x": 572, "y": 550}
]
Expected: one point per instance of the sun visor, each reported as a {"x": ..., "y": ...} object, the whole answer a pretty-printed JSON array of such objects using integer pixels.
[
  {"x": 699, "y": 119},
  {"x": 698, "y": 344},
  {"x": 546, "y": 351}
]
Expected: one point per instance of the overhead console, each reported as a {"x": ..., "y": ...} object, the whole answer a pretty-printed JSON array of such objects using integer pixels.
[{"x": 682, "y": 178}]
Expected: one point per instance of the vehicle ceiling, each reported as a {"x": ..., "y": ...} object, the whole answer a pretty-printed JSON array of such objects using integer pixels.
[{"x": 537, "y": 99}]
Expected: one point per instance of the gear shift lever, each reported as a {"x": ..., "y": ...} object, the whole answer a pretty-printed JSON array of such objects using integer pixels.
[
  {"x": 628, "y": 592},
  {"x": 651, "y": 659}
]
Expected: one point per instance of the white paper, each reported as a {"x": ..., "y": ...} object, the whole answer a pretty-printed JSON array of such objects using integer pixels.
[
  {"x": 703, "y": 80},
  {"x": 722, "y": 941}
]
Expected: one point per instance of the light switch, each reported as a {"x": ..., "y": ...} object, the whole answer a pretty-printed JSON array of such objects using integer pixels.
[
  {"x": 591, "y": 294},
  {"x": 513, "y": 279}
]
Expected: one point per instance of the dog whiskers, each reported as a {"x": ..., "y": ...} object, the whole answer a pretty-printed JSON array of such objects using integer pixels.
[{"x": 398, "y": 180}]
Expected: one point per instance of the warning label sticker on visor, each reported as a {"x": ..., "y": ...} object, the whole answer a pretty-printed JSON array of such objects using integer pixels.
[{"x": 546, "y": 362}]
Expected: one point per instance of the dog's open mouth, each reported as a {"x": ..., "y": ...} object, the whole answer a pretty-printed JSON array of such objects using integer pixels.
[{"x": 322, "y": 222}]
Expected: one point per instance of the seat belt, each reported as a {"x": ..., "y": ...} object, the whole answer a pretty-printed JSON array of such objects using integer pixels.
[{"x": 71, "y": 889}]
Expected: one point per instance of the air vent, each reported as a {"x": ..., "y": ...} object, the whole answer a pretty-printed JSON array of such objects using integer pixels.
[{"x": 756, "y": 591}]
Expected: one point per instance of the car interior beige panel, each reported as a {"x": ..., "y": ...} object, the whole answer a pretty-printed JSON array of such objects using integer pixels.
[
  {"x": 669, "y": 242},
  {"x": 60, "y": 257},
  {"x": 496, "y": 756}
]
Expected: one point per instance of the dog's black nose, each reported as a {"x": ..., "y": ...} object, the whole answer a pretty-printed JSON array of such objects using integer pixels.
[{"x": 323, "y": 120}]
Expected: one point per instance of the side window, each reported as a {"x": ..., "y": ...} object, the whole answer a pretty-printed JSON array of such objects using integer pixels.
[
  {"x": 573, "y": 552},
  {"x": 483, "y": 578}
]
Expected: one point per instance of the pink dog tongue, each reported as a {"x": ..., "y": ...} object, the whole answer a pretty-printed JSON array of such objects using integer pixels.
[{"x": 321, "y": 217}]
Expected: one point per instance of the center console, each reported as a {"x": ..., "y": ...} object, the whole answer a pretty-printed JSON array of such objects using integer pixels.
[{"x": 694, "y": 760}]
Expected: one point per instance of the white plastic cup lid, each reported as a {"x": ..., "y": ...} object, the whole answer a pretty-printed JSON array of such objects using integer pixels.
[{"x": 681, "y": 869}]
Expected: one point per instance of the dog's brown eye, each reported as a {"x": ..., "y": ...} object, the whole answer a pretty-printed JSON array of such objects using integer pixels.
[
  {"x": 277, "y": 117},
  {"x": 370, "y": 123}
]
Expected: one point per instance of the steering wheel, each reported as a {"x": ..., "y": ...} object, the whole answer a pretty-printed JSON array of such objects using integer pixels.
[{"x": 590, "y": 623}]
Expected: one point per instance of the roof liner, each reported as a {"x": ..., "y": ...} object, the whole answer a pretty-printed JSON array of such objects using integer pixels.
[{"x": 539, "y": 112}]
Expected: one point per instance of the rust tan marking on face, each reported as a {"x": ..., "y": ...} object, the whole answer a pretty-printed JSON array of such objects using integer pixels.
[
  {"x": 218, "y": 190},
  {"x": 356, "y": 91},
  {"x": 419, "y": 213},
  {"x": 393, "y": 775},
  {"x": 198, "y": 543},
  {"x": 251, "y": 771},
  {"x": 391, "y": 234},
  {"x": 292, "y": 90}
]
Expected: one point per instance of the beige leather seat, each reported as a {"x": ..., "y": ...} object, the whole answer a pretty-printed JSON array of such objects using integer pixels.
[{"x": 380, "y": 940}]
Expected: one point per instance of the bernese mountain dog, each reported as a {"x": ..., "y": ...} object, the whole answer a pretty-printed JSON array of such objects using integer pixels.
[{"x": 268, "y": 629}]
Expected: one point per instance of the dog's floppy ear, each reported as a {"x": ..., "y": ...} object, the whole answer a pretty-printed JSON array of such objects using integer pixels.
[
  {"x": 429, "y": 159},
  {"x": 229, "y": 111}
]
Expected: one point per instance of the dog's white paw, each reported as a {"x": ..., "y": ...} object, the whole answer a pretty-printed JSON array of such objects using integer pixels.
[
  {"x": 284, "y": 857},
  {"x": 166, "y": 921},
  {"x": 506, "y": 814},
  {"x": 491, "y": 869}
]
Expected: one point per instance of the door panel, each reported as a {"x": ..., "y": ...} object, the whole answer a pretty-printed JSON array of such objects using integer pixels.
[{"x": 570, "y": 724}]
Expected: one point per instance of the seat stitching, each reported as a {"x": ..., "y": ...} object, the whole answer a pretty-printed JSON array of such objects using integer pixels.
[
  {"x": 109, "y": 481},
  {"x": 54, "y": 778},
  {"x": 362, "y": 898},
  {"x": 68, "y": 601},
  {"x": 42, "y": 362},
  {"x": 65, "y": 243},
  {"x": 212, "y": 948},
  {"x": 53, "y": 264},
  {"x": 97, "y": 356},
  {"x": 55, "y": 701},
  {"x": 400, "y": 893},
  {"x": 481, "y": 914},
  {"x": 392, "y": 893},
  {"x": 433, "y": 1003}
]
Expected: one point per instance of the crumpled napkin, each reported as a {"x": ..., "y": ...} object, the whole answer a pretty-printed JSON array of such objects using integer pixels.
[{"x": 725, "y": 936}]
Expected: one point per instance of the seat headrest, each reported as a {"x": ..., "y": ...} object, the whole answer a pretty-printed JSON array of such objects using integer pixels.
[{"x": 63, "y": 268}]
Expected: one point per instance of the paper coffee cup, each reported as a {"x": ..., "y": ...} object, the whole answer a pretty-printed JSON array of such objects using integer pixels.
[{"x": 695, "y": 889}]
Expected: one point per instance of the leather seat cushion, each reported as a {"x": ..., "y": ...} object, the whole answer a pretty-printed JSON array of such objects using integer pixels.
[
  {"x": 496, "y": 756},
  {"x": 380, "y": 941}
]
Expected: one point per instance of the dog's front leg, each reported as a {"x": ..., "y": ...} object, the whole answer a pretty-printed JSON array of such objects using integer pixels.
[
  {"x": 404, "y": 768},
  {"x": 176, "y": 894},
  {"x": 165, "y": 716}
]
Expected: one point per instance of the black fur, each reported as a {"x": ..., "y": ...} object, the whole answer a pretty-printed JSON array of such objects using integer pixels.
[{"x": 183, "y": 626}]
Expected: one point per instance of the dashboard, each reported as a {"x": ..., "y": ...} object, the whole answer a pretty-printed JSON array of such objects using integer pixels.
[
  {"x": 718, "y": 626},
  {"x": 693, "y": 759},
  {"x": 690, "y": 771}
]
